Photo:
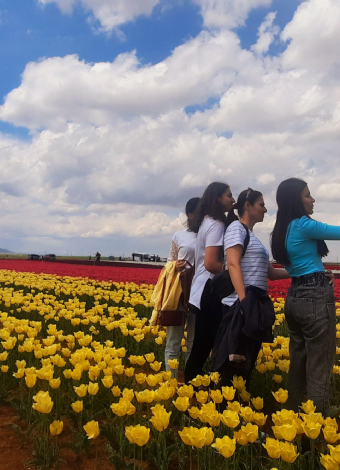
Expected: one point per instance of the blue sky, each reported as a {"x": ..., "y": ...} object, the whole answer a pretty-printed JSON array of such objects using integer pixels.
[{"x": 109, "y": 145}]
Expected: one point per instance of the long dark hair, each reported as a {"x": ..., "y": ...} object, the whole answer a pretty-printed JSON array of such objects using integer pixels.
[
  {"x": 290, "y": 207},
  {"x": 211, "y": 206},
  {"x": 190, "y": 209},
  {"x": 248, "y": 195}
]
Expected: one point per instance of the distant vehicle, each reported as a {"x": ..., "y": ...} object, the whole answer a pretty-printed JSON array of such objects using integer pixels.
[
  {"x": 50, "y": 257},
  {"x": 112, "y": 258},
  {"x": 34, "y": 257},
  {"x": 141, "y": 256}
]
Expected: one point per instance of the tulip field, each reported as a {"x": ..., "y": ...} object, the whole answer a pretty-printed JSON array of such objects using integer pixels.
[{"x": 84, "y": 372}]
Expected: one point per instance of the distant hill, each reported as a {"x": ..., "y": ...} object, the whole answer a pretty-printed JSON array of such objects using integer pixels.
[{"x": 2, "y": 250}]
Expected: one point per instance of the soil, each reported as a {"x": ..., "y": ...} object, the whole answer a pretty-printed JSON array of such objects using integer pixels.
[{"x": 16, "y": 453}]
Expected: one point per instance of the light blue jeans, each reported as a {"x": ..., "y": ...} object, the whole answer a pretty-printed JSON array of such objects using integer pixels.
[{"x": 174, "y": 335}]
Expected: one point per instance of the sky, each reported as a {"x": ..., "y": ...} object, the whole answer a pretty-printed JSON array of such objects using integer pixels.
[{"x": 113, "y": 113}]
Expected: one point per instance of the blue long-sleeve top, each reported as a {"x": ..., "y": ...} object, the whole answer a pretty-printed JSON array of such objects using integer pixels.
[{"x": 301, "y": 245}]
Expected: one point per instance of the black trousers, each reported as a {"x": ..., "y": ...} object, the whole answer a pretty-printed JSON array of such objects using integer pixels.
[{"x": 206, "y": 327}]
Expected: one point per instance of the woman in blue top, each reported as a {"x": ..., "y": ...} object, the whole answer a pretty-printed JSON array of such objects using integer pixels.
[{"x": 298, "y": 243}]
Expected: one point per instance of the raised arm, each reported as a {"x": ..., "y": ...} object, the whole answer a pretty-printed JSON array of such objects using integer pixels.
[{"x": 318, "y": 230}]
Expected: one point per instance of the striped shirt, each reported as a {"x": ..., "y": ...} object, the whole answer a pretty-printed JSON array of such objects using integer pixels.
[{"x": 254, "y": 264}]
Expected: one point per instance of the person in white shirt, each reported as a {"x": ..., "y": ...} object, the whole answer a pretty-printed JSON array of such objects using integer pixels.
[
  {"x": 182, "y": 249},
  {"x": 210, "y": 222}
]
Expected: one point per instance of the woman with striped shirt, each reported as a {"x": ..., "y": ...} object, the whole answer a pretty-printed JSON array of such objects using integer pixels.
[{"x": 251, "y": 269}]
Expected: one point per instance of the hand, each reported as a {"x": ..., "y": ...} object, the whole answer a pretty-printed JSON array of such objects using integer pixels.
[
  {"x": 331, "y": 277},
  {"x": 180, "y": 265}
]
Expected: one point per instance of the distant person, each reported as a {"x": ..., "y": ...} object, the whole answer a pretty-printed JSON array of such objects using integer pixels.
[
  {"x": 298, "y": 243},
  {"x": 98, "y": 256}
]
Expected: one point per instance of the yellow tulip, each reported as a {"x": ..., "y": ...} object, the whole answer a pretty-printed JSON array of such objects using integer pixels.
[
  {"x": 327, "y": 462},
  {"x": 196, "y": 437},
  {"x": 239, "y": 383},
  {"x": 281, "y": 395},
  {"x": 277, "y": 378},
  {"x": 259, "y": 419},
  {"x": 92, "y": 429},
  {"x": 216, "y": 396},
  {"x": 181, "y": 403},
  {"x": 173, "y": 363},
  {"x": 194, "y": 412},
  {"x": 206, "y": 380},
  {"x": 152, "y": 380},
  {"x": 230, "y": 418},
  {"x": 56, "y": 427},
  {"x": 186, "y": 391},
  {"x": 150, "y": 357},
  {"x": 257, "y": 403},
  {"x": 93, "y": 388},
  {"x": 31, "y": 380},
  {"x": 272, "y": 447},
  {"x": 241, "y": 437},
  {"x": 225, "y": 446},
  {"x": 330, "y": 434},
  {"x": 81, "y": 391},
  {"x": 115, "y": 391},
  {"x": 124, "y": 407},
  {"x": 284, "y": 417},
  {"x": 128, "y": 394},
  {"x": 308, "y": 407},
  {"x": 245, "y": 395},
  {"x": 228, "y": 393},
  {"x": 215, "y": 377},
  {"x": 137, "y": 434},
  {"x": 140, "y": 378},
  {"x": 160, "y": 419},
  {"x": 77, "y": 406},
  {"x": 156, "y": 366},
  {"x": 288, "y": 452},
  {"x": 4, "y": 368},
  {"x": 251, "y": 431},
  {"x": 312, "y": 430},
  {"x": 335, "y": 453},
  {"x": 287, "y": 431},
  {"x": 107, "y": 381},
  {"x": 43, "y": 402},
  {"x": 247, "y": 413},
  {"x": 55, "y": 383},
  {"x": 146, "y": 396},
  {"x": 234, "y": 406},
  {"x": 202, "y": 396},
  {"x": 213, "y": 418},
  {"x": 129, "y": 371},
  {"x": 331, "y": 422}
]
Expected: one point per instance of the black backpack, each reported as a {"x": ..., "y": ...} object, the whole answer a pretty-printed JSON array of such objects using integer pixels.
[{"x": 220, "y": 286}]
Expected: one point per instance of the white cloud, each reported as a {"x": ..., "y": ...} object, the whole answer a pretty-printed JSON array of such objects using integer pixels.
[
  {"x": 227, "y": 14},
  {"x": 110, "y": 13},
  {"x": 266, "y": 34},
  {"x": 56, "y": 90},
  {"x": 314, "y": 36}
]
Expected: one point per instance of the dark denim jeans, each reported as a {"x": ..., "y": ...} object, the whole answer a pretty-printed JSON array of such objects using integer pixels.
[{"x": 311, "y": 317}]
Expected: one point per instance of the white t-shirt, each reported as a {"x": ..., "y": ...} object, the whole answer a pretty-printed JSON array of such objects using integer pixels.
[
  {"x": 210, "y": 233},
  {"x": 254, "y": 263},
  {"x": 183, "y": 246}
]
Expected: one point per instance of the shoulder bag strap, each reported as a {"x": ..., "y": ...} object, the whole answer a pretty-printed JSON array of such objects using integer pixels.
[{"x": 246, "y": 240}]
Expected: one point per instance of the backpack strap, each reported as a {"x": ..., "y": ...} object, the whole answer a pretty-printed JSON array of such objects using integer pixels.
[{"x": 246, "y": 240}]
